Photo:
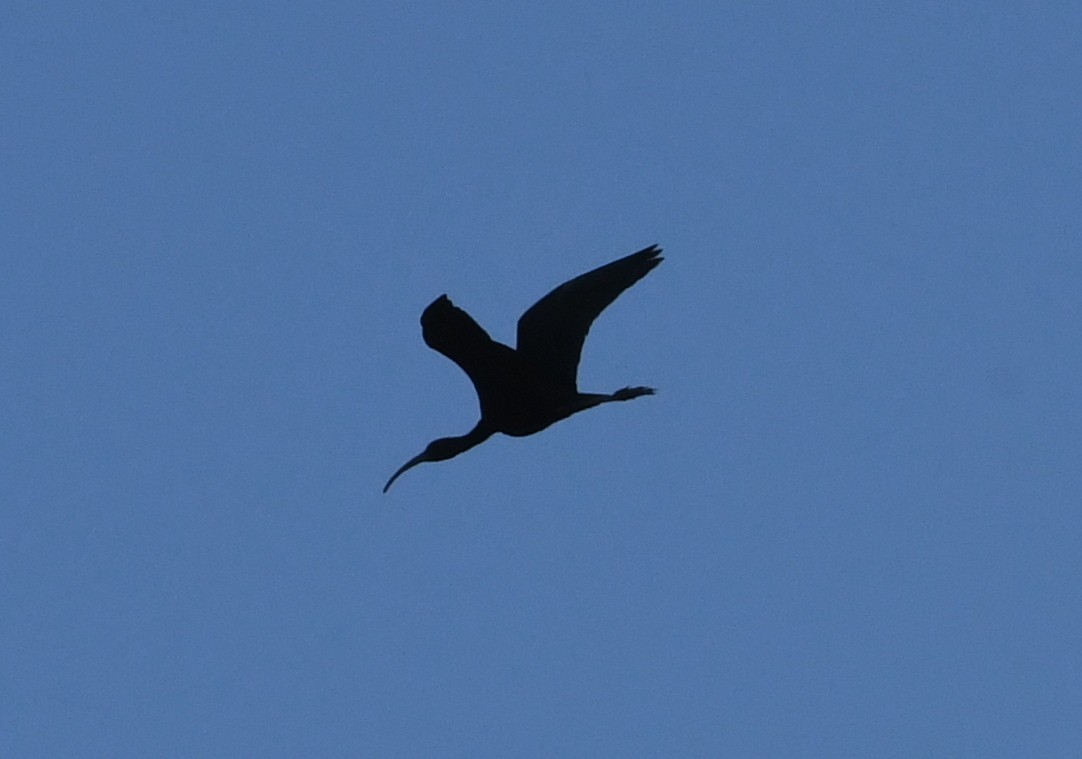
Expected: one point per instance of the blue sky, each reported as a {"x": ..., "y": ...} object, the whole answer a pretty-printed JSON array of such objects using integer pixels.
[{"x": 848, "y": 524}]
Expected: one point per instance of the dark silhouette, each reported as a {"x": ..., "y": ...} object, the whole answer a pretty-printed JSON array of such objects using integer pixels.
[{"x": 524, "y": 390}]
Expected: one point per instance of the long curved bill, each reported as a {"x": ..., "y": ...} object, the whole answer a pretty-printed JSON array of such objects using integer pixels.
[{"x": 419, "y": 458}]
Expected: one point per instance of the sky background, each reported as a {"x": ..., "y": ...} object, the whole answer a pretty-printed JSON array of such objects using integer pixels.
[{"x": 848, "y": 524}]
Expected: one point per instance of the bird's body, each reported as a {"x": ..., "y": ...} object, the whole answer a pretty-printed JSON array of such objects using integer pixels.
[{"x": 526, "y": 389}]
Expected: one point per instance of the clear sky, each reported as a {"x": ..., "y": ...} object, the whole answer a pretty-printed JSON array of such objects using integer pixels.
[{"x": 848, "y": 524}]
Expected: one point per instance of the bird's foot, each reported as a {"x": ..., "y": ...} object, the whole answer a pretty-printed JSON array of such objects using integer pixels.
[{"x": 627, "y": 393}]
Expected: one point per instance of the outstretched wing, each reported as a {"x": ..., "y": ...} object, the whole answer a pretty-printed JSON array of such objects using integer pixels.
[
  {"x": 451, "y": 331},
  {"x": 552, "y": 331}
]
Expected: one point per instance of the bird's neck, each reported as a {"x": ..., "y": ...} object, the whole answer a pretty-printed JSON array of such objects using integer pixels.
[{"x": 456, "y": 445}]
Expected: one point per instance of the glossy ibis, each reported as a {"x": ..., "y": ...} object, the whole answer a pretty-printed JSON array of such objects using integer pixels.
[{"x": 524, "y": 390}]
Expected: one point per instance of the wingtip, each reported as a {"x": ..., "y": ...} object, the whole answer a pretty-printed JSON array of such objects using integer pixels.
[
  {"x": 655, "y": 256},
  {"x": 438, "y": 304},
  {"x": 652, "y": 254}
]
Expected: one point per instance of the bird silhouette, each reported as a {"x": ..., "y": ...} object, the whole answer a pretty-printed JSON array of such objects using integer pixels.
[{"x": 523, "y": 390}]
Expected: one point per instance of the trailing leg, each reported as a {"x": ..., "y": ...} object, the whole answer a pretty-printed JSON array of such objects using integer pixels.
[{"x": 627, "y": 393}]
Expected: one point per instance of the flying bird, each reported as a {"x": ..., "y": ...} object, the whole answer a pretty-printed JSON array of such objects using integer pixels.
[{"x": 525, "y": 389}]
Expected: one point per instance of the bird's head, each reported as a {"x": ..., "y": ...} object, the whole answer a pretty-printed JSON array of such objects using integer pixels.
[{"x": 438, "y": 450}]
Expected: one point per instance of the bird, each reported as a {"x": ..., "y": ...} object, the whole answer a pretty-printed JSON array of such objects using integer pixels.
[{"x": 525, "y": 389}]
